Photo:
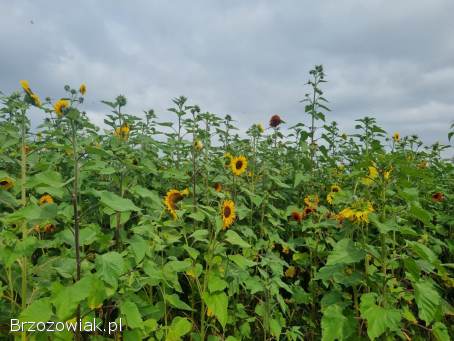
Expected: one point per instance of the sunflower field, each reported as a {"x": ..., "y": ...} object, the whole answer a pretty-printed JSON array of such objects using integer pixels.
[{"x": 185, "y": 229}]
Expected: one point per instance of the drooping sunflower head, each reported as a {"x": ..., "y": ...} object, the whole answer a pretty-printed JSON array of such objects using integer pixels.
[
  {"x": 6, "y": 183},
  {"x": 297, "y": 216},
  {"x": 275, "y": 121},
  {"x": 228, "y": 213},
  {"x": 438, "y": 197},
  {"x": 217, "y": 187},
  {"x": 396, "y": 137},
  {"x": 46, "y": 199},
  {"x": 83, "y": 89},
  {"x": 25, "y": 86},
  {"x": 312, "y": 200},
  {"x": 423, "y": 164},
  {"x": 172, "y": 198},
  {"x": 330, "y": 198},
  {"x": 344, "y": 136},
  {"x": 260, "y": 128},
  {"x": 36, "y": 100},
  {"x": 228, "y": 159},
  {"x": 60, "y": 106},
  {"x": 238, "y": 165}
]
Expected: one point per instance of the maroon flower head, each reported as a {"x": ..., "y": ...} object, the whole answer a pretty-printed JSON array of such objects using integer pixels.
[{"x": 275, "y": 121}]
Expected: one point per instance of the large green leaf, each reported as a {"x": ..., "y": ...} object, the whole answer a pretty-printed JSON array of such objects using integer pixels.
[
  {"x": 40, "y": 310},
  {"x": 234, "y": 238},
  {"x": 345, "y": 252},
  {"x": 115, "y": 202},
  {"x": 180, "y": 326},
  {"x": 109, "y": 267},
  {"x": 218, "y": 303},
  {"x": 132, "y": 315},
  {"x": 67, "y": 299},
  {"x": 428, "y": 301},
  {"x": 333, "y": 321},
  {"x": 379, "y": 319}
]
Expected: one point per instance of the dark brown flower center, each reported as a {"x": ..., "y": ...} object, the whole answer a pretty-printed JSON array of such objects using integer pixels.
[
  {"x": 239, "y": 164},
  {"x": 335, "y": 189},
  {"x": 227, "y": 211},
  {"x": 4, "y": 183}
]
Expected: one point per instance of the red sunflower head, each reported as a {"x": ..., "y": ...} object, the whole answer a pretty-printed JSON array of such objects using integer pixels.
[{"x": 275, "y": 121}]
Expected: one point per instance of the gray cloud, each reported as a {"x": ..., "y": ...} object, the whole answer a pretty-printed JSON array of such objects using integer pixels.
[{"x": 250, "y": 59}]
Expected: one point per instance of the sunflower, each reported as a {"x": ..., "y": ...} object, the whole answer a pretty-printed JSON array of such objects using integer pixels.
[
  {"x": 238, "y": 165},
  {"x": 285, "y": 250},
  {"x": 217, "y": 187},
  {"x": 36, "y": 99},
  {"x": 308, "y": 210},
  {"x": 260, "y": 128},
  {"x": 372, "y": 175},
  {"x": 438, "y": 197},
  {"x": 344, "y": 136},
  {"x": 228, "y": 158},
  {"x": 290, "y": 272},
  {"x": 228, "y": 213},
  {"x": 172, "y": 197},
  {"x": 198, "y": 145},
  {"x": 83, "y": 89},
  {"x": 330, "y": 198},
  {"x": 359, "y": 212},
  {"x": 311, "y": 200},
  {"x": 6, "y": 183},
  {"x": 297, "y": 216},
  {"x": 46, "y": 199},
  {"x": 275, "y": 120},
  {"x": 25, "y": 86},
  {"x": 423, "y": 164},
  {"x": 396, "y": 137},
  {"x": 335, "y": 188},
  {"x": 387, "y": 173},
  {"x": 60, "y": 105}
]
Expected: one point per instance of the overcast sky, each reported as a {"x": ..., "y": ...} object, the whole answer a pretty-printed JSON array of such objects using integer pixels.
[{"x": 250, "y": 59}]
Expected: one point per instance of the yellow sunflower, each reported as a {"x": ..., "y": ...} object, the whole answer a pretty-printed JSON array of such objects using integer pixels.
[
  {"x": 217, "y": 187},
  {"x": 359, "y": 212},
  {"x": 172, "y": 197},
  {"x": 46, "y": 199},
  {"x": 372, "y": 175},
  {"x": 228, "y": 213},
  {"x": 396, "y": 137},
  {"x": 238, "y": 165},
  {"x": 335, "y": 188},
  {"x": 387, "y": 173},
  {"x": 25, "y": 86},
  {"x": 198, "y": 145},
  {"x": 83, "y": 89},
  {"x": 311, "y": 200},
  {"x": 36, "y": 99},
  {"x": 6, "y": 183},
  {"x": 60, "y": 105},
  {"x": 260, "y": 128},
  {"x": 330, "y": 198}
]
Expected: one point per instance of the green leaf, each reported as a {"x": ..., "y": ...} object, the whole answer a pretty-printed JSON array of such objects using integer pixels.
[
  {"x": 428, "y": 301},
  {"x": 385, "y": 227},
  {"x": 233, "y": 238},
  {"x": 109, "y": 267},
  {"x": 333, "y": 321},
  {"x": 175, "y": 301},
  {"x": 215, "y": 283},
  {"x": 40, "y": 310},
  {"x": 200, "y": 235},
  {"x": 132, "y": 315},
  {"x": 97, "y": 293},
  {"x": 68, "y": 298},
  {"x": 299, "y": 177},
  {"x": 218, "y": 304},
  {"x": 180, "y": 326},
  {"x": 242, "y": 261},
  {"x": 115, "y": 202},
  {"x": 420, "y": 213},
  {"x": 345, "y": 252},
  {"x": 139, "y": 246},
  {"x": 197, "y": 216},
  {"x": 379, "y": 319},
  {"x": 440, "y": 332}
]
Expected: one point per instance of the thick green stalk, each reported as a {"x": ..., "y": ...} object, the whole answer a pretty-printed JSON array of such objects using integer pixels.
[{"x": 24, "y": 224}]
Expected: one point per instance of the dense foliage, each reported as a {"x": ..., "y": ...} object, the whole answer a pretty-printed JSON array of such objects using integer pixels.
[{"x": 187, "y": 230}]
